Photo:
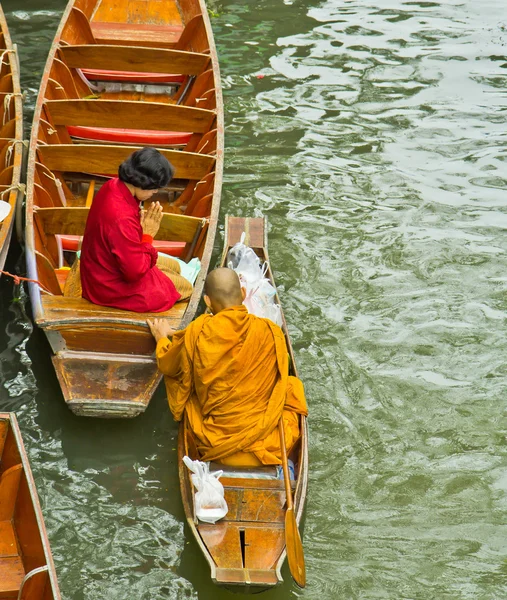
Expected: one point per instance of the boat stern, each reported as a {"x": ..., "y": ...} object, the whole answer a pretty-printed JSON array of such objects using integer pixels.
[{"x": 106, "y": 385}]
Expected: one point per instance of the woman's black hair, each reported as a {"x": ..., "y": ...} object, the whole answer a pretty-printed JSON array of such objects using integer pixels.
[{"x": 147, "y": 169}]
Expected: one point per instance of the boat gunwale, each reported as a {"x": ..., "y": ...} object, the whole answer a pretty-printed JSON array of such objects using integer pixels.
[{"x": 15, "y": 196}]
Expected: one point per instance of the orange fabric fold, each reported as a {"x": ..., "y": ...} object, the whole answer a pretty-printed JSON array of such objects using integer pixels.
[{"x": 229, "y": 373}]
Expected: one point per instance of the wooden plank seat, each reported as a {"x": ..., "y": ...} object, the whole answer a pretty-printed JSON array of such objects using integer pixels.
[
  {"x": 132, "y": 63},
  {"x": 105, "y": 159},
  {"x": 71, "y": 220},
  {"x": 159, "y": 123},
  {"x": 66, "y": 310}
]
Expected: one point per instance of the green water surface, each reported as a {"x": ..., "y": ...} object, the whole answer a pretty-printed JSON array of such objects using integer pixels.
[{"x": 373, "y": 136}]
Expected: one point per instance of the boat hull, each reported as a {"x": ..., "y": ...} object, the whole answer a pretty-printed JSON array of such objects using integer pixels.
[
  {"x": 27, "y": 571},
  {"x": 103, "y": 357},
  {"x": 246, "y": 550}
]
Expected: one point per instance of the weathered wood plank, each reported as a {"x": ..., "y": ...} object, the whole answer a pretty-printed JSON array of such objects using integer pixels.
[
  {"x": 137, "y": 115},
  {"x": 135, "y": 59},
  {"x": 71, "y": 220},
  {"x": 105, "y": 159}
]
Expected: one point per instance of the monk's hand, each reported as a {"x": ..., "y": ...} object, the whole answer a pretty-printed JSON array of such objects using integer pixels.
[
  {"x": 160, "y": 328},
  {"x": 151, "y": 218}
]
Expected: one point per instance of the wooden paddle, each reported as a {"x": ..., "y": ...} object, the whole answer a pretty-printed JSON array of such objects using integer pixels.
[{"x": 293, "y": 543}]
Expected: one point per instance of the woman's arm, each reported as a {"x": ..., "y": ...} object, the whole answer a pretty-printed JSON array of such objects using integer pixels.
[{"x": 134, "y": 257}]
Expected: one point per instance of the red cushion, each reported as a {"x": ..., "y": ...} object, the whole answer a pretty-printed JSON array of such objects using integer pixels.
[
  {"x": 131, "y": 136},
  {"x": 105, "y": 75},
  {"x": 70, "y": 243}
]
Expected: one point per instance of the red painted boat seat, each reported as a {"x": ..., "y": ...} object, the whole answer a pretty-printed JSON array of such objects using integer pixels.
[
  {"x": 131, "y": 76},
  {"x": 70, "y": 243},
  {"x": 131, "y": 136}
]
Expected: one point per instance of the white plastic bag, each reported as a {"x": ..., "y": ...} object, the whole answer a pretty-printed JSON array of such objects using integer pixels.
[
  {"x": 260, "y": 294},
  {"x": 210, "y": 504}
]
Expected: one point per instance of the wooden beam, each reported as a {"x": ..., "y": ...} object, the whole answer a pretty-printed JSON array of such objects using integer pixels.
[
  {"x": 134, "y": 115},
  {"x": 105, "y": 159},
  {"x": 134, "y": 59},
  {"x": 71, "y": 220}
]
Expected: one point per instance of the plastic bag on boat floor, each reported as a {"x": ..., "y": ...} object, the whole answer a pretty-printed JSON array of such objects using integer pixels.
[
  {"x": 260, "y": 294},
  {"x": 210, "y": 504}
]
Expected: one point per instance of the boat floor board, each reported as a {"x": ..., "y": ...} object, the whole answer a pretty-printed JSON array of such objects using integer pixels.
[
  {"x": 255, "y": 505},
  {"x": 11, "y": 576},
  {"x": 262, "y": 544},
  {"x": 136, "y": 35}
]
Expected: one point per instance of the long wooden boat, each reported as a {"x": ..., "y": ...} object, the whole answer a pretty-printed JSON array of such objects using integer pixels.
[
  {"x": 246, "y": 549},
  {"x": 121, "y": 74},
  {"x": 27, "y": 571},
  {"x": 11, "y": 137}
]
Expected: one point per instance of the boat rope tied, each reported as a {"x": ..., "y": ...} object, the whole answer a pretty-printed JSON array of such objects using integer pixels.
[
  {"x": 18, "y": 279},
  {"x": 17, "y": 186},
  {"x": 10, "y": 150},
  {"x": 59, "y": 187},
  {"x": 8, "y": 51},
  {"x": 7, "y": 104}
]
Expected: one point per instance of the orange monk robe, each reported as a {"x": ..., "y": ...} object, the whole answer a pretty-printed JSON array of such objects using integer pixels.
[{"x": 229, "y": 373}]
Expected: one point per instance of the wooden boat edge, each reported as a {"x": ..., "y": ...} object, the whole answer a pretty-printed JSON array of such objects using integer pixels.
[
  {"x": 34, "y": 496},
  {"x": 15, "y": 196}
]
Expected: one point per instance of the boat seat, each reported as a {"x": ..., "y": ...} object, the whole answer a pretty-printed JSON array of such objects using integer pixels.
[
  {"x": 132, "y": 76},
  {"x": 136, "y": 34},
  {"x": 71, "y": 243},
  {"x": 12, "y": 574},
  {"x": 130, "y": 136},
  {"x": 78, "y": 310}
]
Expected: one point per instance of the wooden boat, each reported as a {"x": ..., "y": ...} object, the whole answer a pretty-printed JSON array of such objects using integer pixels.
[
  {"x": 246, "y": 549},
  {"x": 121, "y": 74},
  {"x": 11, "y": 137},
  {"x": 27, "y": 571}
]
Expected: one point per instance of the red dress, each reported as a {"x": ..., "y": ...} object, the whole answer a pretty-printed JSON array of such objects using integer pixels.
[{"x": 117, "y": 268}]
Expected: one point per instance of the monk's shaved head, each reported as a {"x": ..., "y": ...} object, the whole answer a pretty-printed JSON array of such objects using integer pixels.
[{"x": 223, "y": 288}]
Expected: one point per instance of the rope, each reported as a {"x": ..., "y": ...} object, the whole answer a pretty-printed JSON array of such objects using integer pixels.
[
  {"x": 10, "y": 150},
  {"x": 4, "y": 53},
  {"x": 59, "y": 186},
  {"x": 7, "y": 104},
  {"x": 18, "y": 279},
  {"x": 17, "y": 186}
]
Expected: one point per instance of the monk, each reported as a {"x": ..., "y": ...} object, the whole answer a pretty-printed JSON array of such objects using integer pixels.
[
  {"x": 119, "y": 266},
  {"x": 229, "y": 373}
]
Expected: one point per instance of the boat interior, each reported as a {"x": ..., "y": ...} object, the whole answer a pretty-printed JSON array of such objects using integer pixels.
[
  {"x": 125, "y": 74},
  {"x": 24, "y": 573},
  {"x": 245, "y": 547}
]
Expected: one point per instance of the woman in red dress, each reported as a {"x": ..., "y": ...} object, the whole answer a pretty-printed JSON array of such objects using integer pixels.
[{"x": 118, "y": 261}]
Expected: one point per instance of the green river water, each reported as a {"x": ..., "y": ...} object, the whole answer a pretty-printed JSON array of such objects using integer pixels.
[{"x": 376, "y": 145}]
